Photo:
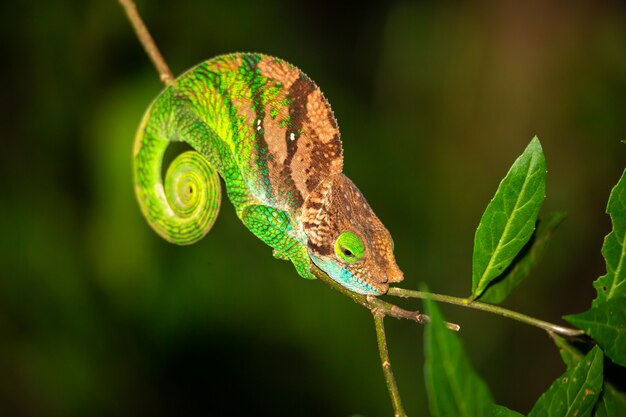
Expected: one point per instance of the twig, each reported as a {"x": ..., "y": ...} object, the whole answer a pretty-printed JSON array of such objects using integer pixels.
[
  {"x": 373, "y": 303},
  {"x": 477, "y": 305},
  {"x": 146, "y": 40},
  {"x": 381, "y": 338}
]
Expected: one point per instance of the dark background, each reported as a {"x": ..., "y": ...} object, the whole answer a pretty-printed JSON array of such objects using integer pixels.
[{"x": 100, "y": 317}]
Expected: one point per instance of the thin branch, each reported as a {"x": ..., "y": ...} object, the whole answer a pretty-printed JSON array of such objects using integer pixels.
[
  {"x": 146, "y": 40},
  {"x": 373, "y": 303},
  {"x": 381, "y": 338},
  {"x": 477, "y": 305}
]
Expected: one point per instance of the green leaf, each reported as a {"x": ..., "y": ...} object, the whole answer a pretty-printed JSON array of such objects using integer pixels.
[
  {"x": 453, "y": 388},
  {"x": 501, "y": 411},
  {"x": 526, "y": 260},
  {"x": 612, "y": 402},
  {"x": 613, "y": 284},
  {"x": 605, "y": 321},
  {"x": 575, "y": 393},
  {"x": 509, "y": 219}
]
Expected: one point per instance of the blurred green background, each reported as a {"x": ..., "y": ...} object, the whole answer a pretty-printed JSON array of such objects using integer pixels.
[{"x": 100, "y": 317}]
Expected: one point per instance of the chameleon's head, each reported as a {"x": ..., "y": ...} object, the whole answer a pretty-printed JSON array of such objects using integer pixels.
[{"x": 346, "y": 239}]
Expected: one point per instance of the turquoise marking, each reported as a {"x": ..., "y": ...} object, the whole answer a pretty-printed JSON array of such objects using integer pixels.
[{"x": 344, "y": 277}]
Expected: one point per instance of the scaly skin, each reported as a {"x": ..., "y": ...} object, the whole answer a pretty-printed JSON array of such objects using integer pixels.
[{"x": 267, "y": 130}]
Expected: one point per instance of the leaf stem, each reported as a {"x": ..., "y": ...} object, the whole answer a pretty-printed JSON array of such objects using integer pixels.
[
  {"x": 490, "y": 308},
  {"x": 147, "y": 41},
  {"x": 381, "y": 338}
]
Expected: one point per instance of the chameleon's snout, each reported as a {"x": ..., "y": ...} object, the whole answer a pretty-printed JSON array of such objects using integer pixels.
[
  {"x": 394, "y": 274},
  {"x": 396, "y": 278}
]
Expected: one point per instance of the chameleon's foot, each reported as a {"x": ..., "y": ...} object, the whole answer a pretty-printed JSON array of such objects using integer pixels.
[{"x": 272, "y": 226}]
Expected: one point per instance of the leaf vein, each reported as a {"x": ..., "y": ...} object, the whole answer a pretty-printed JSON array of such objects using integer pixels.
[{"x": 618, "y": 270}]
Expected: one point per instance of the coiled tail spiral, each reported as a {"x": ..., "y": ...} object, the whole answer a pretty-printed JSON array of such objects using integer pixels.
[{"x": 183, "y": 208}]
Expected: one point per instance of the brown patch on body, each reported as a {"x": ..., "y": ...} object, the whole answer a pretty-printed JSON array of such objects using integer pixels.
[
  {"x": 300, "y": 132},
  {"x": 320, "y": 153},
  {"x": 316, "y": 219},
  {"x": 225, "y": 63},
  {"x": 279, "y": 70},
  {"x": 320, "y": 118},
  {"x": 243, "y": 104},
  {"x": 274, "y": 135}
]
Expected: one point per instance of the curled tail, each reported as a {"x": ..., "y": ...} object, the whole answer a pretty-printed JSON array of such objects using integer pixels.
[{"x": 183, "y": 207}]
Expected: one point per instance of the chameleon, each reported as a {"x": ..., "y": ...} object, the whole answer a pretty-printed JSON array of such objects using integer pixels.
[{"x": 267, "y": 130}]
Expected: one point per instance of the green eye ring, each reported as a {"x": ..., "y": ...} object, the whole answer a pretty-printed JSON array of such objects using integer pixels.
[{"x": 349, "y": 247}]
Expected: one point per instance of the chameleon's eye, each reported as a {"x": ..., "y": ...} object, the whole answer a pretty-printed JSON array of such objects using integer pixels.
[{"x": 349, "y": 247}]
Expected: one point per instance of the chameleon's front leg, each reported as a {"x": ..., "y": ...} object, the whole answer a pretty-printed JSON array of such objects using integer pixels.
[{"x": 272, "y": 226}]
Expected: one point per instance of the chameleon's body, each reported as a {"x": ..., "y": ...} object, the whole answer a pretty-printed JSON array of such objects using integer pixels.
[{"x": 268, "y": 131}]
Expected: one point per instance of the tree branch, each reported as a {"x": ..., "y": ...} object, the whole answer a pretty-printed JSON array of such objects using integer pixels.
[
  {"x": 381, "y": 338},
  {"x": 148, "y": 43}
]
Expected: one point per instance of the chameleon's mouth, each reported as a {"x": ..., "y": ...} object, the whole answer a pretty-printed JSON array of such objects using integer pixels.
[
  {"x": 368, "y": 288},
  {"x": 383, "y": 284}
]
